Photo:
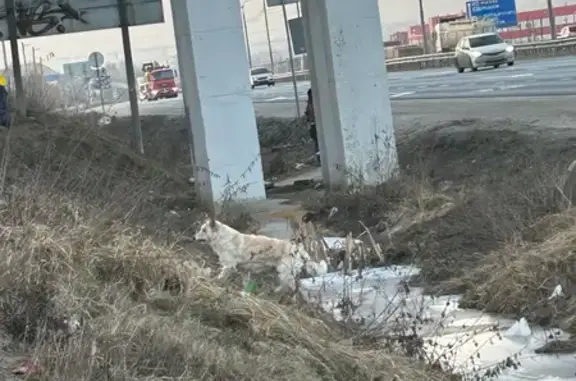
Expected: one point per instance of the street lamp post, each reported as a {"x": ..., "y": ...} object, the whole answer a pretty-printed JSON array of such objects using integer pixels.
[
  {"x": 246, "y": 33},
  {"x": 34, "y": 67},
  {"x": 24, "y": 57},
  {"x": 552, "y": 20},
  {"x": 423, "y": 26},
  {"x": 268, "y": 35}
]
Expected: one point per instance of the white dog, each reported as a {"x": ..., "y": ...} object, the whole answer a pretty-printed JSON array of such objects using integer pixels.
[{"x": 233, "y": 247}]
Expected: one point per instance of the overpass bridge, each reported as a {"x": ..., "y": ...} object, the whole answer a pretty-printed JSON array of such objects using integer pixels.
[{"x": 350, "y": 91}]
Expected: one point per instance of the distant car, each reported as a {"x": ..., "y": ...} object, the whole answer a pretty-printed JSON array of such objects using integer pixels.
[
  {"x": 261, "y": 76},
  {"x": 569, "y": 31},
  {"x": 483, "y": 50}
]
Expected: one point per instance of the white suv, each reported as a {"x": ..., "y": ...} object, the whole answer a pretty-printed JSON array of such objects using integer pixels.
[
  {"x": 483, "y": 50},
  {"x": 261, "y": 76}
]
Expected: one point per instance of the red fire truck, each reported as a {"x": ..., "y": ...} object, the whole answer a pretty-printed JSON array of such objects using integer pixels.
[{"x": 159, "y": 82}]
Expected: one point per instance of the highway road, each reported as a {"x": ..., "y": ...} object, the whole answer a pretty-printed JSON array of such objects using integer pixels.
[
  {"x": 534, "y": 78},
  {"x": 555, "y": 76}
]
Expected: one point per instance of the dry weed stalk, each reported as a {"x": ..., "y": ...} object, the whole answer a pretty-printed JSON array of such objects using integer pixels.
[{"x": 90, "y": 245}]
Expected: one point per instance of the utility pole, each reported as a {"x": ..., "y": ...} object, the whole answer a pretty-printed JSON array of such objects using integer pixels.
[
  {"x": 137, "y": 140},
  {"x": 552, "y": 20},
  {"x": 246, "y": 35},
  {"x": 24, "y": 57},
  {"x": 268, "y": 35},
  {"x": 34, "y": 67},
  {"x": 16, "y": 70},
  {"x": 5, "y": 56},
  {"x": 423, "y": 26}
]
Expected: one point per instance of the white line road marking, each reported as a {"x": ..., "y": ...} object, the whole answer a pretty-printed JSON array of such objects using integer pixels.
[
  {"x": 493, "y": 77},
  {"x": 511, "y": 87},
  {"x": 521, "y": 75},
  {"x": 401, "y": 94},
  {"x": 485, "y": 90},
  {"x": 278, "y": 99}
]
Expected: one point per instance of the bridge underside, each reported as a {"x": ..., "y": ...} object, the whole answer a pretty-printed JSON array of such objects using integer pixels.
[{"x": 350, "y": 89}]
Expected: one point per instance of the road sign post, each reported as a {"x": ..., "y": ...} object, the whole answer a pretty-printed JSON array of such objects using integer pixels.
[
  {"x": 96, "y": 59},
  {"x": 291, "y": 56},
  {"x": 503, "y": 12},
  {"x": 16, "y": 68},
  {"x": 137, "y": 141}
]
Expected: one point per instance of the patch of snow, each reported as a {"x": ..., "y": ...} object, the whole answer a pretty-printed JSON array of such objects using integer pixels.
[{"x": 520, "y": 329}]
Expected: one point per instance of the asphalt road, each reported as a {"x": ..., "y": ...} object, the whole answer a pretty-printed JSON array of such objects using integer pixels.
[
  {"x": 555, "y": 76},
  {"x": 551, "y": 113},
  {"x": 534, "y": 78}
]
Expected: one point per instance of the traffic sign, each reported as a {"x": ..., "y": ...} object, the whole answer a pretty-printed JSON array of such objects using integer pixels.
[
  {"x": 297, "y": 35},
  {"x": 77, "y": 69},
  {"x": 52, "y": 77},
  {"x": 503, "y": 12},
  {"x": 96, "y": 60}
]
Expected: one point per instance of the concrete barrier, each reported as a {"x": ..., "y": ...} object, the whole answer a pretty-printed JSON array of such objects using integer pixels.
[{"x": 527, "y": 51}]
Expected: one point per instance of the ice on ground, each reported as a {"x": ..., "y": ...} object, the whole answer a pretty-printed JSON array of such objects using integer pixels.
[
  {"x": 472, "y": 340},
  {"x": 336, "y": 243},
  {"x": 519, "y": 329}
]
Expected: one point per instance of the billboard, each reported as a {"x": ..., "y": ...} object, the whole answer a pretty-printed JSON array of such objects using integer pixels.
[
  {"x": 502, "y": 11},
  {"x": 297, "y": 35},
  {"x": 51, "y": 17},
  {"x": 77, "y": 69}
]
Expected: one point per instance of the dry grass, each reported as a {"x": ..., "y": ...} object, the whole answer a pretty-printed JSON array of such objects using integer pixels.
[
  {"x": 519, "y": 278},
  {"x": 40, "y": 96},
  {"x": 86, "y": 232},
  {"x": 466, "y": 190},
  {"x": 285, "y": 144},
  {"x": 112, "y": 276}
]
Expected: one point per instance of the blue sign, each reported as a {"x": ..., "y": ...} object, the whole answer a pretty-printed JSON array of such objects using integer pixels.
[
  {"x": 502, "y": 11},
  {"x": 52, "y": 77}
]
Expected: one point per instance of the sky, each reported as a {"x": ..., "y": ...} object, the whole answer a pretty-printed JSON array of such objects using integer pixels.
[{"x": 157, "y": 41}]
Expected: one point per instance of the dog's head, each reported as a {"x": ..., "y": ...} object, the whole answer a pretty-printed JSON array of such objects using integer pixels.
[{"x": 207, "y": 231}]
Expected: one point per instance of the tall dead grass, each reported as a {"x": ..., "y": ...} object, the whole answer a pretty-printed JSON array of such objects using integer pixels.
[
  {"x": 86, "y": 234},
  {"x": 465, "y": 191},
  {"x": 519, "y": 278}
]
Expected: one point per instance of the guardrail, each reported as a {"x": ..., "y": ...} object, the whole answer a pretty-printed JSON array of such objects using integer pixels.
[{"x": 529, "y": 50}]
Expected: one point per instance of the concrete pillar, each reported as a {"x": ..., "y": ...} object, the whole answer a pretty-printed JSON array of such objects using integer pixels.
[
  {"x": 313, "y": 20},
  {"x": 215, "y": 81},
  {"x": 184, "y": 49},
  {"x": 350, "y": 90}
]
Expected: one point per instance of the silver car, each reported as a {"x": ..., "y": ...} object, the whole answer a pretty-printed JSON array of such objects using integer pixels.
[{"x": 483, "y": 50}]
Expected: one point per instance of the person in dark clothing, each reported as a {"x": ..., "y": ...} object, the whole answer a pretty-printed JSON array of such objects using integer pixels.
[{"x": 311, "y": 119}]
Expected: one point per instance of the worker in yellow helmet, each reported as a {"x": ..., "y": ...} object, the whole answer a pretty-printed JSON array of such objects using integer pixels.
[{"x": 4, "y": 109}]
